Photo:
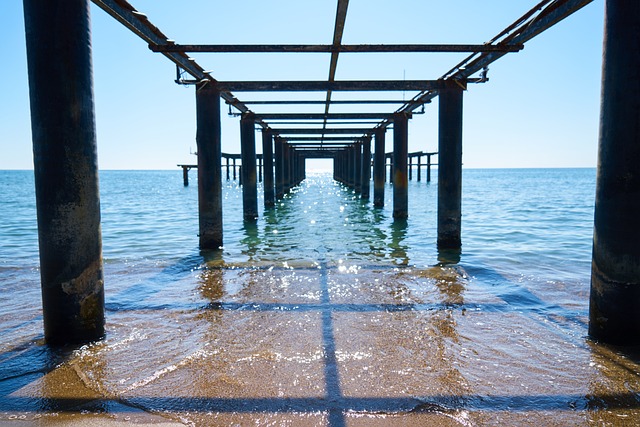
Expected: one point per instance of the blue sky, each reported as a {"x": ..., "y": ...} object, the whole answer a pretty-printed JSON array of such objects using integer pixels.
[{"x": 539, "y": 109}]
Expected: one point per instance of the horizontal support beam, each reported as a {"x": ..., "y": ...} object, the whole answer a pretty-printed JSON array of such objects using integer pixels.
[
  {"x": 327, "y": 48},
  {"x": 321, "y": 121},
  {"x": 318, "y": 131},
  {"x": 344, "y": 85},
  {"x": 319, "y": 144},
  {"x": 309, "y": 102},
  {"x": 320, "y": 138},
  {"x": 320, "y": 116},
  {"x": 140, "y": 25}
]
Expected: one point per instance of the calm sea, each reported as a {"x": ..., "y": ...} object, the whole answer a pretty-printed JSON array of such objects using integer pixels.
[
  {"x": 503, "y": 327},
  {"x": 528, "y": 223}
]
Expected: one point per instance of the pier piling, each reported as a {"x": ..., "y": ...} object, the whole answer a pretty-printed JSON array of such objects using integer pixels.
[
  {"x": 267, "y": 156},
  {"x": 248, "y": 170},
  {"x": 450, "y": 167},
  {"x": 400, "y": 154},
  {"x": 379, "y": 167},
  {"x": 357, "y": 167},
  {"x": 66, "y": 169},
  {"x": 614, "y": 312},
  {"x": 208, "y": 138},
  {"x": 366, "y": 167}
]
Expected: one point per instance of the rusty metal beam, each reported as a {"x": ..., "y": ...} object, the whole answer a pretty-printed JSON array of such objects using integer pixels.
[
  {"x": 320, "y": 116},
  {"x": 138, "y": 23},
  {"x": 320, "y": 121},
  {"x": 320, "y": 138},
  {"x": 343, "y": 85},
  {"x": 316, "y": 131},
  {"x": 340, "y": 48},
  {"x": 541, "y": 17},
  {"x": 319, "y": 144},
  {"x": 341, "y": 17},
  {"x": 311, "y": 102}
]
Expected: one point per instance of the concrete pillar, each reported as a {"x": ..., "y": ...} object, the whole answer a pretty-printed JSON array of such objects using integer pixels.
[
  {"x": 400, "y": 154},
  {"x": 208, "y": 138},
  {"x": 429, "y": 168},
  {"x": 234, "y": 169},
  {"x": 259, "y": 168},
  {"x": 366, "y": 168},
  {"x": 450, "y": 167},
  {"x": 614, "y": 315},
  {"x": 228, "y": 176},
  {"x": 419, "y": 167},
  {"x": 66, "y": 169},
  {"x": 267, "y": 155},
  {"x": 248, "y": 171},
  {"x": 379, "y": 168}
]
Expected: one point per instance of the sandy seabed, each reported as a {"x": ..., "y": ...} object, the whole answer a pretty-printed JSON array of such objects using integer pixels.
[{"x": 329, "y": 345}]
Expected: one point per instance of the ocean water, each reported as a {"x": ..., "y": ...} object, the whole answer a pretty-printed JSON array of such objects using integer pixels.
[{"x": 325, "y": 311}]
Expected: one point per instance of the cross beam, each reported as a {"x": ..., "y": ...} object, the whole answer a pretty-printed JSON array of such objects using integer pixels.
[
  {"x": 317, "y": 102},
  {"x": 320, "y": 138},
  {"x": 320, "y": 116},
  {"x": 343, "y": 85},
  {"x": 318, "y": 131},
  {"x": 327, "y": 48}
]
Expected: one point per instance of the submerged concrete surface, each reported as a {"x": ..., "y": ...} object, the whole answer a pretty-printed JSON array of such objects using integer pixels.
[{"x": 328, "y": 344}]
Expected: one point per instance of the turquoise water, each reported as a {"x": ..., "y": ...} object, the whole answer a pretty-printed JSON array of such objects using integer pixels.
[
  {"x": 520, "y": 221},
  {"x": 324, "y": 296},
  {"x": 526, "y": 222}
]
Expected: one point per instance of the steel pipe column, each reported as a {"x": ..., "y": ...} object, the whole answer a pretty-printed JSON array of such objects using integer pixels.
[
  {"x": 400, "y": 155},
  {"x": 379, "y": 167},
  {"x": 267, "y": 156},
  {"x": 208, "y": 139},
  {"x": 357, "y": 167},
  {"x": 450, "y": 167},
  {"x": 366, "y": 168},
  {"x": 248, "y": 170},
  {"x": 279, "y": 154},
  {"x": 66, "y": 170},
  {"x": 614, "y": 315},
  {"x": 287, "y": 167}
]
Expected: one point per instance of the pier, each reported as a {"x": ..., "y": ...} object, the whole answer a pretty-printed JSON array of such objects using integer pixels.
[{"x": 68, "y": 200}]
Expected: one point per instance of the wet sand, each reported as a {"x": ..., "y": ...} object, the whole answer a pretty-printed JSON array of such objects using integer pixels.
[{"x": 324, "y": 344}]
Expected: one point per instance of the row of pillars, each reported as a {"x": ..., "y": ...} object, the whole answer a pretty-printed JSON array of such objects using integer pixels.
[
  {"x": 279, "y": 178},
  {"x": 352, "y": 167},
  {"x": 418, "y": 156},
  {"x": 232, "y": 168},
  {"x": 289, "y": 168},
  {"x": 68, "y": 202}
]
